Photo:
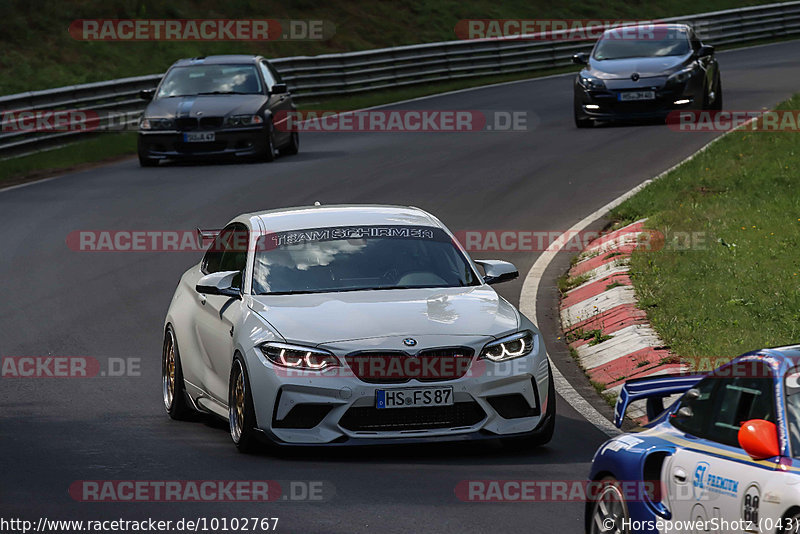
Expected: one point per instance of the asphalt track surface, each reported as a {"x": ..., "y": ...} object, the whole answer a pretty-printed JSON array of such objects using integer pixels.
[{"x": 55, "y": 301}]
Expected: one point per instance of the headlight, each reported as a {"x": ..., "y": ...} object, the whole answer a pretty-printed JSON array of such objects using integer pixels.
[
  {"x": 156, "y": 124},
  {"x": 298, "y": 357},
  {"x": 681, "y": 76},
  {"x": 243, "y": 120},
  {"x": 589, "y": 82},
  {"x": 510, "y": 347}
]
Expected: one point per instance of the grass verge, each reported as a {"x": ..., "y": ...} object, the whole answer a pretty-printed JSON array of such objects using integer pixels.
[
  {"x": 84, "y": 154},
  {"x": 728, "y": 279},
  {"x": 39, "y": 52}
]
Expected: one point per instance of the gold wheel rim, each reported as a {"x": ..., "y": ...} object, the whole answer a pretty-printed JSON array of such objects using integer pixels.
[
  {"x": 237, "y": 408},
  {"x": 168, "y": 373}
]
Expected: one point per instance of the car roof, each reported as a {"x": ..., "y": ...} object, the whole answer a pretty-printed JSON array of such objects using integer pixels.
[
  {"x": 787, "y": 356},
  {"x": 303, "y": 217},
  {"x": 217, "y": 60},
  {"x": 654, "y": 25}
]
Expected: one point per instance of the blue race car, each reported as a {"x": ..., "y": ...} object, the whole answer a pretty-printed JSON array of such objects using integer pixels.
[{"x": 724, "y": 457}]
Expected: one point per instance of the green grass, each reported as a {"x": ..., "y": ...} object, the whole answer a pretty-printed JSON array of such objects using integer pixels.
[
  {"x": 102, "y": 148},
  {"x": 39, "y": 53},
  {"x": 566, "y": 283},
  {"x": 595, "y": 337},
  {"x": 738, "y": 287}
]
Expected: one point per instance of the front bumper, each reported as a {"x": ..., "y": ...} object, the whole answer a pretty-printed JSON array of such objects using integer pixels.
[
  {"x": 606, "y": 105},
  {"x": 491, "y": 401},
  {"x": 170, "y": 144}
]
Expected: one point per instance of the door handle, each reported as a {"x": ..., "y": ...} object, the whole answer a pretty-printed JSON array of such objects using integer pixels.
[
  {"x": 679, "y": 475},
  {"x": 202, "y": 299}
]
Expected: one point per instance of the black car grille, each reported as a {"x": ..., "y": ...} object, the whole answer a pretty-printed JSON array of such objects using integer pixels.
[
  {"x": 186, "y": 123},
  {"x": 194, "y": 148},
  {"x": 210, "y": 123},
  {"x": 302, "y": 416},
  {"x": 203, "y": 123},
  {"x": 371, "y": 419},
  {"x": 397, "y": 367}
]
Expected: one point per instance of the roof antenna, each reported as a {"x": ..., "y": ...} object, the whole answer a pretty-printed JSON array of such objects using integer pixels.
[{"x": 317, "y": 203}]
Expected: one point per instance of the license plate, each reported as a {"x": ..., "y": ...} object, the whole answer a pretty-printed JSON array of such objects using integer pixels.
[
  {"x": 627, "y": 96},
  {"x": 198, "y": 137},
  {"x": 414, "y": 397}
]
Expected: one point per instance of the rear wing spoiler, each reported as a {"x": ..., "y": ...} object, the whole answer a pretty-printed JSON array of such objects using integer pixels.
[{"x": 654, "y": 389}]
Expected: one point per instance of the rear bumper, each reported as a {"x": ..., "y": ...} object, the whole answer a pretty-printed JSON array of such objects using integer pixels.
[{"x": 239, "y": 142}]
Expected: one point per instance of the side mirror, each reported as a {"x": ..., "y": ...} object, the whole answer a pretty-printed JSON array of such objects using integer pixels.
[
  {"x": 223, "y": 283},
  {"x": 147, "y": 94},
  {"x": 759, "y": 439},
  {"x": 496, "y": 271},
  {"x": 705, "y": 51},
  {"x": 581, "y": 58},
  {"x": 280, "y": 89}
]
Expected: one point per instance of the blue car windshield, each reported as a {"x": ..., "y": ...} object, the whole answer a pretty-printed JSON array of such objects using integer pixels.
[
  {"x": 210, "y": 80},
  {"x": 793, "y": 409},
  {"x": 659, "y": 44},
  {"x": 353, "y": 258}
]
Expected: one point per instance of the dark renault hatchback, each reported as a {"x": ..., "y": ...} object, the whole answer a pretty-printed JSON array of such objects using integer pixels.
[
  {"x": 216, "y": 106},
  {"x": 644, "y": 72}
]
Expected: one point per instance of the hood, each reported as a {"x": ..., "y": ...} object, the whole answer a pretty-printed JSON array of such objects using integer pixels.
[
  {"x": 208, "y": 105},
  {"x": 646, "y": 67},
  {"x": 332, "y": 317}
]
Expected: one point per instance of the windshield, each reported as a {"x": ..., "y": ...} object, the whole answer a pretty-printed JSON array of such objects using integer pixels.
[
  {"x": 356, "y": 258},
  {"x": 660, "y": 44},
  {"x": 793, "y": 409},
  {"x": 209, "y": 80}
]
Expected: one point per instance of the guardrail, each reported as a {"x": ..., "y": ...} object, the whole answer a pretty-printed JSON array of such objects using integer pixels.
[{"x": 117, "y": 104}]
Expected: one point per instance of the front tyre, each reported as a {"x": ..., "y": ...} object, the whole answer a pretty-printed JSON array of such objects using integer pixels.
[
  {"x": 173, "y": 388},
  {"x": 268, "y": 152},
  {"x": 790, "y": 524},
  {"x": 717, "y": 104},
  {"x": 144, "y": 159},
  {"x": 580, "y": 120},
  {"x": 241, "y": 414},
  {"x": 292, "y": 147},
  {"x": 609, "y": 511}
]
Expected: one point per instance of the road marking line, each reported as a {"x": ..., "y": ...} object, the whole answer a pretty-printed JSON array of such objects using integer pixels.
[{"x": 530, "y": 290}]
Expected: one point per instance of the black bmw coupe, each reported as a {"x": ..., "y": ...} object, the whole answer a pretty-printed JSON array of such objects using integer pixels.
[{"x": 216, "y": 106}]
